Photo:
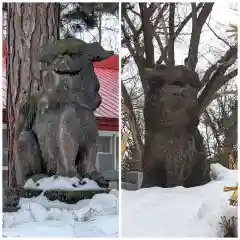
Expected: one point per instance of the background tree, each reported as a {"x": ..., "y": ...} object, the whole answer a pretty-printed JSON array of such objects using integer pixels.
[
  {"x": 81, "y": 17},
  {"x": 219, "y": 126},
  {"x": 30, "y": 26},
  {"x": 219, "y": 121},
  {"x": 151, "y": 34}
]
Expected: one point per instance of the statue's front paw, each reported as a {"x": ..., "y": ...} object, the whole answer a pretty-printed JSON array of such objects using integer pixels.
[
  {"x": 82, "y": 182},
  {"x": 56, "y": 176},
  {"x": 98, "y": 178}
]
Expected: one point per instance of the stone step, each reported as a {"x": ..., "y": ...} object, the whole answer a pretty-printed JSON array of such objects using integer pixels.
[
  {"x": 133, "y": 177},
  {"x": 110, "y": 175},
  {"x": 129, "y": 186},
  {"x": 12, "y": 195},
  {"x": 114, "y": 185}
]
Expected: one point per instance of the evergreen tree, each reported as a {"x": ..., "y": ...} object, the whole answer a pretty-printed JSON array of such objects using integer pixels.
[{"x": 77, "y": 17}]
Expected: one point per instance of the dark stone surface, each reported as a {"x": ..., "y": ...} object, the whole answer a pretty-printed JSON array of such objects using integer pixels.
[
  {"x": 174, "y": 154},
  {"x": 61, "y": 135},
  {"x": 98, "y": 177},
  {"x": 12, "y": 195},
  {"x": 10, "y": 209},
  {"x": 72, "y": 197}
]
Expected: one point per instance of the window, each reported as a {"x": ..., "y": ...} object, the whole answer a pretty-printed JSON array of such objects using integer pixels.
[
  {"x": 117, "y": 152},
  {"x": 5, "y": 178},
  {"x": 104, "y": 144},
  {"x": 4, "y": 136},
  {"x": 5, "y": 148},
  {"x": 5, "y": 155},
  {"x": 108, "y": 142}
]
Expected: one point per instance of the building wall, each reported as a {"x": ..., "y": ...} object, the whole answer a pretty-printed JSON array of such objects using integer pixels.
[{"x": 108, "y": 124}]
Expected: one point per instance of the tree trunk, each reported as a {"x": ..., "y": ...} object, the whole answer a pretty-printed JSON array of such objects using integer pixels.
[
  {"x": 100, "y": 28},
  {"x": 128, "y": 108},
  {"x": 30, "y": 26}
]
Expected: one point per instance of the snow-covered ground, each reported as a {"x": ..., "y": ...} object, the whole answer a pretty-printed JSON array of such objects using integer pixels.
[
  {"x": 39, "y": 217},
  {"x": 179, "y": 212}
]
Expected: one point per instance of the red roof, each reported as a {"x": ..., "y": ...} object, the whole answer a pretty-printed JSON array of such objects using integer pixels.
[
  {"x": 4, "y": 83},
  {"x": 107, "y": 73},
  {"x": 110, "y": 63}
]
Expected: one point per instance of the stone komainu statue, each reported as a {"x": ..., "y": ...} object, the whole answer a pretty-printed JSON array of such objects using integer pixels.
[
  {"x": 59, "y": 130},
  {"x": 174, "y": 153}
]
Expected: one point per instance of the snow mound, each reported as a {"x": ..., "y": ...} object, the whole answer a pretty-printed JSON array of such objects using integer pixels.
[
  {"x": 40, "y": 217},
  {"x": 48, "y": 183},
  {"x": 179, "y": 212}
]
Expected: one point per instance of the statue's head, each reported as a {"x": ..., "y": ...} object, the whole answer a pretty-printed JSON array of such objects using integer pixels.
[
  {"x": 66, "y": 59},
  {"x": 173, "y": 80},
  {"x": 172, "y": 75},
  {"x": 71, "y": 55},
  {"x": 97, "y": 53},
  {"x": 172, "y": 92}
]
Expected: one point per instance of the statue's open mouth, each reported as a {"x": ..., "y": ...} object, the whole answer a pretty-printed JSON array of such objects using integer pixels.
[{"x": 66, "y": 72}]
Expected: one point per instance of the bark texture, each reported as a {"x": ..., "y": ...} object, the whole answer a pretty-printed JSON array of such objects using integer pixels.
[{"x": 30, "y": 27}]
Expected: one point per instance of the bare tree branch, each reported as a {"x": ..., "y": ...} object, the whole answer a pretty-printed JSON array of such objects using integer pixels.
[
  {"x": 217, "y": 36},
  {"x": 211, "y": 88},
  {"x": 133, "y": 11},
  {"x": 225, "y": 93},
  {"x": 213, "y": 127},
  {"x": 170, "y": 47},
  {"x": 151, "y": 9},
  {"x": 186, "y": 20},
  {"x": 160, "y": 15},
  {"x": 163, "y": 23},
  {"x": 134, "y": 54},
  {"x": 139, "y": 59},
  {"x": 205, "y": 12},
  {"x": 163, "y": 56},
  {"x": 197, "y": 25},
  {"x": 227, "y": 60},
  {"x": 128, "y": 108},
  {"x": 135, "y": 32},
  {"x": 147, "y": 36}
]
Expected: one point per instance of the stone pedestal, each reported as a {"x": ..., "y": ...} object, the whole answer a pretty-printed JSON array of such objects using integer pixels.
[{"x": 11, "y": 196}]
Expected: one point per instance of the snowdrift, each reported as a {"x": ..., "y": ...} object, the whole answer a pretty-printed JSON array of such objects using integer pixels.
[
  {"x": 39, "y": 217},
  {"x": 179, "y": 212}
]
